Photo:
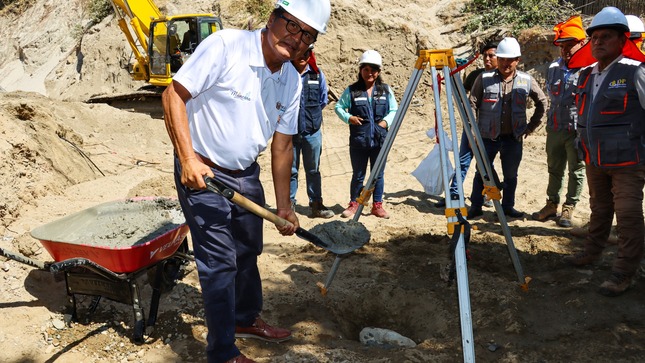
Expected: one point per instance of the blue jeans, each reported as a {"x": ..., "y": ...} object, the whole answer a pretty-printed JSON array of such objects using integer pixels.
[
  {"x": 310, "y": 146},
  {"x": 465, "y": 157},
  {"x": 359, "y": 158},
  {"x": 227, "y": 240},
  {"x": 510, "y": 153}
]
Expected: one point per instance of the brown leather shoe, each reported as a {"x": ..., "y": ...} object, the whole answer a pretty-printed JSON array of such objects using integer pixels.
[
  {"x": 240, "y": 359},
  {"x": 616, "y": 284},
  {"x": 263, "y": 331},
  {"x": 582, "y": 259},
  {"x": 548, "y": 211}
]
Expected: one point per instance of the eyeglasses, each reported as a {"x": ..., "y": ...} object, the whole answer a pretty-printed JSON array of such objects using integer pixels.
[{"x": 294, "y": 28}]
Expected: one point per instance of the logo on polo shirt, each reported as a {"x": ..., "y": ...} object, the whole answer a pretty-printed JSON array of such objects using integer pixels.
[
  {"x": 238, "y": 95},
  {"x": 618, "y": 83}
]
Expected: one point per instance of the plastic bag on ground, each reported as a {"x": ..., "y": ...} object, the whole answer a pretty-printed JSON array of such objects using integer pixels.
[{"x": 429, "y": 173}]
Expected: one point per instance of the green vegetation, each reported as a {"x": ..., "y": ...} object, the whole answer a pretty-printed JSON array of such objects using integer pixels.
[
  {"x": 260, "y": 9},
  {"x": 99, "y": 9},
  {"x": 516, "y": 14}
]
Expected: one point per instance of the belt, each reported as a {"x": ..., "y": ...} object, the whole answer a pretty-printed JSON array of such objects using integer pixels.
[{"x": 210, "y": 163}]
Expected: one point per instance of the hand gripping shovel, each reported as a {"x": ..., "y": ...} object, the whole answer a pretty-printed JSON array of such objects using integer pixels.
[
  {"x": 220, "y": 188},
  {"x": 354, "y": 234}
]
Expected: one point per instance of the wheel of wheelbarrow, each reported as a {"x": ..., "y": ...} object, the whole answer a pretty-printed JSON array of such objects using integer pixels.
[{"x": 171, "y": 271}]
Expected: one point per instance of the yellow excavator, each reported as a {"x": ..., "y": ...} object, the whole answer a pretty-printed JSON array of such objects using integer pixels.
[{"x": 160, "y": 44}]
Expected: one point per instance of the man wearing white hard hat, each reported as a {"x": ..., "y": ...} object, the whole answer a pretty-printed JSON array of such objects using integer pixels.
[
  {"x": 611, "y": 110},
  {"x": 235, "y": 93},
  {"x": 499, "y": 98}
]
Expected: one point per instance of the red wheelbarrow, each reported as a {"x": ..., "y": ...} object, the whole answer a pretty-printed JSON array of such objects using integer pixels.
[{"x": 101, "y": 251}]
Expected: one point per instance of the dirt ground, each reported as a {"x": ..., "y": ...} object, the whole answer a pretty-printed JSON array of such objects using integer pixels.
[{"x": 61, "y": 155}]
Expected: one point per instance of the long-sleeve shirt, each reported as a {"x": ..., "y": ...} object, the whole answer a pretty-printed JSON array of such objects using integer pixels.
[{"x": 345, "y": 102}]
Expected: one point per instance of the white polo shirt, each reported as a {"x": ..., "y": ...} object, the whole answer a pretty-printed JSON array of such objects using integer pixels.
[{"x": 237, "y": 102}]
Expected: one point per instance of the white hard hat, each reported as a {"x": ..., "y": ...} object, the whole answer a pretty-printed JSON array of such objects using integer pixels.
[
  {"x": 609, "y": 17},
  {"x": 636, "y": 27},
  {"x": 508, "y": 48},
  {"x": 314, "y": 13},
  {"x": 371, "y": 57}
]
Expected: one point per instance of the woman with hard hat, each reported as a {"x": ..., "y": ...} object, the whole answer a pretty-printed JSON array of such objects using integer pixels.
[{"x": 368, "y": 106}]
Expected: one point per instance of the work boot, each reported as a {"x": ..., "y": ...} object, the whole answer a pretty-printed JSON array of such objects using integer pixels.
[
  {"x": 351, "y": 210},
  {"x": 582, "y": 259},
  {"x": 474, "y": 212},
  {"x": 318, "y": 210},
  {"x": 580, "y": 232},
  {"x": 548, "y": 211},
  {"x": 616, "y": 284},
  {"x": 583, "y": 232},
  {"x": 566, "y": 216},
  {"x": 513, "y": 213},
  {"x": 377, "y": 210}
]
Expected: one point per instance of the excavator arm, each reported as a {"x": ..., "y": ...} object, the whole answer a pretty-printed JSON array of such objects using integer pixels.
[{"x": 139, "y": 15}]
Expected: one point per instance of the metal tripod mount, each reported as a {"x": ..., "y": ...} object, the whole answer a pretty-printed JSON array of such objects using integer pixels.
[{"x": 455, "y": 209}]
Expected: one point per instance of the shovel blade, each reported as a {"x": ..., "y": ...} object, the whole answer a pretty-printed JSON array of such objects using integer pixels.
[{"x": 308, "y": 236}]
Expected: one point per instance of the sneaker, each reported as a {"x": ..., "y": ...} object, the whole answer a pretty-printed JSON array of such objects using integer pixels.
[
  {"x": 616, "y": 284},
  {"x": 566, "y": 216},
  {"x": 582, "y": 259},
  {"x": 318, "y": 210},
  {"x": 474, "y": 213},
  {"x": 513, "y": 213},
  {"x": 263, "y": 331},
  {"x": 377, "y": 210},
  {"x": 548, "y": 211},
  {"x": 351, "y": 210}
]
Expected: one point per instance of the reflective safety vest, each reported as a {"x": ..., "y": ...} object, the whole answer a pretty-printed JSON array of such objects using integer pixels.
[
  {"x": 490, "y": 110},
  {"x": 369, "y": 134},
  {"x": 310, "y": 117},
  {"x": 611, "y": 126},
  {"x": 561, "y": 86}
]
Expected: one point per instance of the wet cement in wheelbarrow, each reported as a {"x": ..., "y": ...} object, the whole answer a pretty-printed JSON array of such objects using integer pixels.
[
  {"x": 342, "y": 237},
  {"x": 125, "y": 223}
]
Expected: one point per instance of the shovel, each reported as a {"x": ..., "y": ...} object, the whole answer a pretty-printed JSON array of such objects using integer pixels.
[
  {"x": 354, "y": 232},
  {"x": 218, "y": 187}
]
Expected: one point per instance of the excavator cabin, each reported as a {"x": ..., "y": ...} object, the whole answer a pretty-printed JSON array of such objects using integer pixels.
[
  {"x": 173, "y": 40},
  {"x": 160, "y": 44}
]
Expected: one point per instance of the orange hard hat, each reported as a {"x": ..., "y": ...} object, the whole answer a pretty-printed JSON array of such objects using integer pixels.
[{"x": 569, "y": 30}]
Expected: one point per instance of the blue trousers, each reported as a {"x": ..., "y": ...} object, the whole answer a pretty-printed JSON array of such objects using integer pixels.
[
  {"x": 310, "y": 146},
  {"x": 359, "y": 158},
  {"x": 227, "y": 240},
  {"x": 465, "y": 158},
  {"x": 510, "y": 153}
]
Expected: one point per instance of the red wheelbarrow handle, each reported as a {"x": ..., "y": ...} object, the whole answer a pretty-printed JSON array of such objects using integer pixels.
[{"x": 217, "y": 186}]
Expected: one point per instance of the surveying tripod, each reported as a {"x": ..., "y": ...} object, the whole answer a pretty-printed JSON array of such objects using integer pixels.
[{"x": 455, "y": 209}]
